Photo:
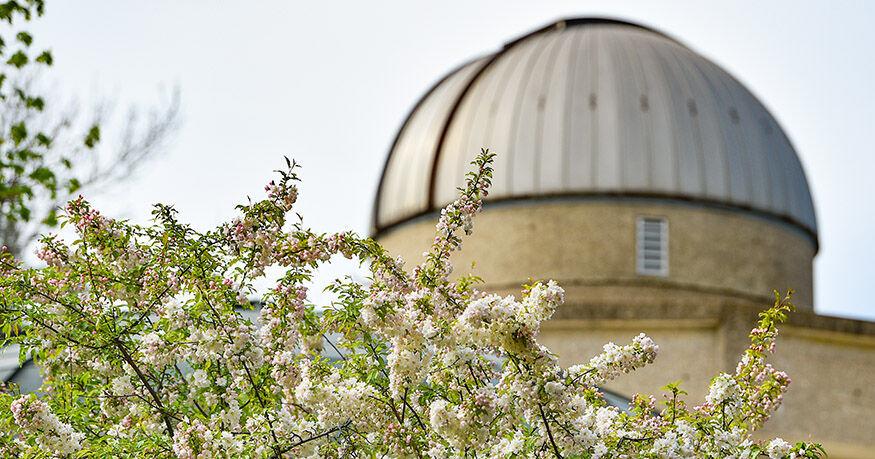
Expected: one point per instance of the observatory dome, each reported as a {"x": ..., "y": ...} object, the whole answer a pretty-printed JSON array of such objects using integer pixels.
[{"x": 596, "y": 107}]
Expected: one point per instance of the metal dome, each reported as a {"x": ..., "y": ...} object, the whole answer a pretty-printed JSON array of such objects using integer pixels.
[{"x": 596, "y": 107}]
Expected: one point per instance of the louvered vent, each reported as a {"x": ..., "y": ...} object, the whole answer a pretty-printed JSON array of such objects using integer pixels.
[{"x": 652, "y": 246}]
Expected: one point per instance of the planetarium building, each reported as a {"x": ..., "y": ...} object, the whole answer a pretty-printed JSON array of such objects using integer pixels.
[{"x": 657, "y": 190}]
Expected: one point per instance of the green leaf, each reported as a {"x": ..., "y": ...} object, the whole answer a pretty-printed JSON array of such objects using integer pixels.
[
  {"x": 25, "y": 38},
  {"x": 18, "y": 132},
  {"x": 51, "y": 219},
  {"x": 18, "y": 60},
  {"x": 73, "y": 185},
  {"x": 93, "y": 136},
  {"x": 43, "y": 175},
  {"x": 46, "y": 141},
  {"x": 45, "y": 58},
  {"x": 35, "y": 102}
]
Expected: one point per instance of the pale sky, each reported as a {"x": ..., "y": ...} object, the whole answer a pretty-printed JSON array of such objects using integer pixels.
[{"x": 329, "y": 84}]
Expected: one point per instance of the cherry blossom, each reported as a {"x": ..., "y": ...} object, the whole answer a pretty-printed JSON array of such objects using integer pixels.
[{"x": 141, "y": 335}]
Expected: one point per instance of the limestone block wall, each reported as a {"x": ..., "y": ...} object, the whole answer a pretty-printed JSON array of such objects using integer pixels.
[
  {"x": 832, "y": 397},
  {"x": 688, "y": 351},
  {"x": 723, "y": 265},
  {"x": 831, "y": 362},
  {"x": 591, "y": 242}
]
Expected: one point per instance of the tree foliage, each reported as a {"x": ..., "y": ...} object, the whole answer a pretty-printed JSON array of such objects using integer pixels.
[
  {"x": 146, "y": 352},
  {"x": 51, "y": 152}
]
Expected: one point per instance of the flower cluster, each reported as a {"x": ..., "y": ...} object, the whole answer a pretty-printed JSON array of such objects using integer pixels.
[
  {"x": 34, "y": 417},
  {"x": 147, "y": 348},
  {"x": 616, "y": 360},
  {"x": 504, "y": 323}
]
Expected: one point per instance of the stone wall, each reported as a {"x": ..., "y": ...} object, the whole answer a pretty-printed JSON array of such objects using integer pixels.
[
  {"x": 723, "y": 266},
  {"x": 591, "y": 242},
  {"x": 831, "y": 362}
]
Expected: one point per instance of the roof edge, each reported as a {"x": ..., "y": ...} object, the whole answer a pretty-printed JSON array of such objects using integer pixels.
[{"x": 587, "y": 21}]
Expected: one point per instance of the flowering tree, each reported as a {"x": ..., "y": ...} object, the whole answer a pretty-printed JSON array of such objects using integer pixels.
[
  {"x": 48, "y": 152},
  {"x": 145, "y": 353}
]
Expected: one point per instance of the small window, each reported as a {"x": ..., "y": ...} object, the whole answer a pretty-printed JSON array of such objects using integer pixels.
[{"x": 652, "y": 246}]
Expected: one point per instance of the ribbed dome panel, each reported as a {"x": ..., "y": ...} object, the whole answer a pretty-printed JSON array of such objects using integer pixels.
[{"x": 596, "y": 107}]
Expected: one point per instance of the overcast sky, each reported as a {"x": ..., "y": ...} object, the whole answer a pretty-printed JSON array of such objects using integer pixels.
[{"x": 329, "y": 85}]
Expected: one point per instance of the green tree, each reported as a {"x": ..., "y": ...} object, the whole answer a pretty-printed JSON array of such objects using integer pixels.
[{"x": 51, "y": 152}]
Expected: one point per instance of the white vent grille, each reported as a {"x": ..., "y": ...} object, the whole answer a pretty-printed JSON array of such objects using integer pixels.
[{"x": 652, "y": 246}]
